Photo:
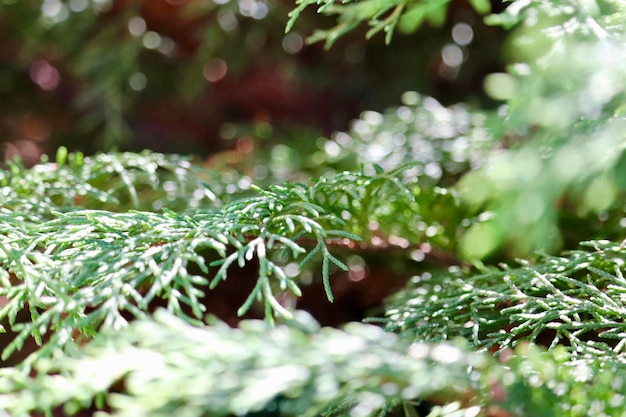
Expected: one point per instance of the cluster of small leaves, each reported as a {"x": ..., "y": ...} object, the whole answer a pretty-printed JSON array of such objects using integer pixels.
[
  {"x": 422, "y": 143},
  {"x": 380, "y": 16},
  {"x": 300, "y": 369},
  {"x": 577, "y": 301},
  {"x": 441, "y": 142},
  {"x": 568, "y": 16},
  {"x": 538, "y": 383},
  {"x": 114, "y": 182},
  {"x": 430, "y": 147},
  {"x": 296, "y": 370},
  {"x": 78, "y": 269}
]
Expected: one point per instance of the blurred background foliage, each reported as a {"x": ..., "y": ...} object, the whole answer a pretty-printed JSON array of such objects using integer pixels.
[{"x": 182, "y": 75}]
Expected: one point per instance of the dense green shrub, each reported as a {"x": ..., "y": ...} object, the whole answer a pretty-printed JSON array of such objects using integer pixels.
[{"x": 106, "y": 260}]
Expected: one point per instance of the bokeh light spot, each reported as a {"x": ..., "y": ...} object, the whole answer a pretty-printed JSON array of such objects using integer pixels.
[
  {"x": 137, "y": 26},
  {"x": 44, "y": 75},
  {"x": 293, "y": 43},
  {"x": 78, "y": 5},
  {"x": 215, "y": 70},
  {"x": 259, "y": 11},
  {"x": 102, "y": 5},
  {"x": 227, "y": 20},
  {"x": 452, "y": 55},
  {"x": 228, "y": 131},
  {"x": 151, "y": 40},
  {"x": 167, "y": 46},
  {"x": 500, "y": 86},
  {"x": 251, "y": 8},
  {"x": 529, "y": 207},
  {"x": 26, "y": 150},
  {"x": 462, "y": 33},
  {"x": 332, "y": 149},
  {"x": 54, "y": 10},
  {"x": 599, "y": 195},
  {"x": 410, "y": 98},
  {"x": 138, "y": 81}
]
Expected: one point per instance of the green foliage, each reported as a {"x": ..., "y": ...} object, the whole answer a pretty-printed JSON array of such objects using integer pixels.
[
  {"x": 79, "y": 269},
  {"x": 439, "y": 142},
  {"x": 380, "y": 15},
  {"x": 565, "y": 98},
  {"x": 113, "y": 182},
  {"x": 300, "y": 369},
  {"x": 425, "y": 147},
  {"x": 576, "y": 301},
  {"x": 89, "y": 244},
  {"x": 296, "y": 370},
  {"x": 538, "y": 383}
]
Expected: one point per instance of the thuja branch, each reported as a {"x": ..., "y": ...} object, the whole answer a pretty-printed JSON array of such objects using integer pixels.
[
  {"x": 301, "y": 369},
  {"x": 576, "y": 301},
  {"x": 83, "y": 270},
  {"x": 112, "y": 181}
]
